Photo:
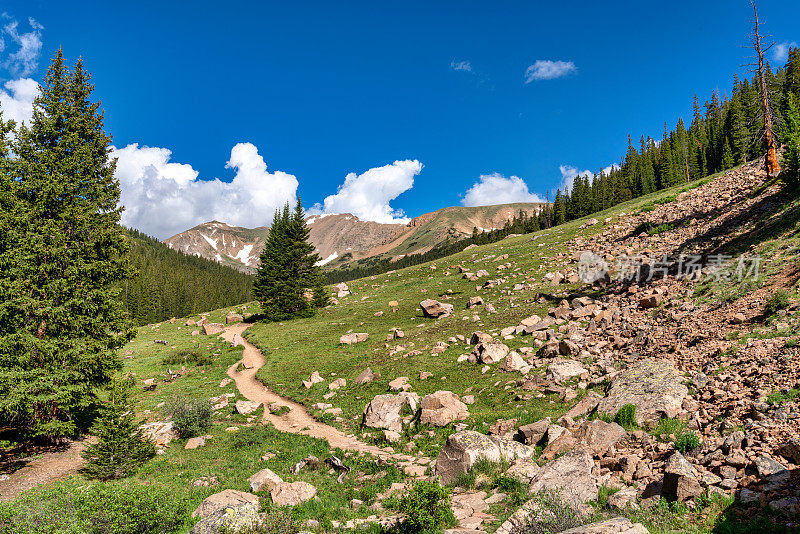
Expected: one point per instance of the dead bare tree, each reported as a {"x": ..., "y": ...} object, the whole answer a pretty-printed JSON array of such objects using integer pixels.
[{"x": 771, "y": 158}]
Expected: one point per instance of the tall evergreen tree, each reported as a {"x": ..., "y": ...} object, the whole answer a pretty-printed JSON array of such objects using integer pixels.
[
  {"x": 288, "y": 269},
  {"x": 63, "y": 321},
  {"x": 792, "y": 137}
]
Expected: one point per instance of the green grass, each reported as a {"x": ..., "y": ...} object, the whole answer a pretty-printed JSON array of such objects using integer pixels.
[{"x": 779, "y": 397}]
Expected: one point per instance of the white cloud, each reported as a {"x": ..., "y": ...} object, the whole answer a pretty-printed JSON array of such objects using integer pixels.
[
  {"x": 569, "y": 173},
  {"x": 367, "y": 195},
  {"x": 545, "y": 69},
  {"x": 162, "y": 198},
  {"x": 16, "y": 102},
  {"x": 461, "y": 65},
  {"x": 495, "y": 188},
  {"x": 780, "y": 52},
  {"x": 25, "y": 59}
]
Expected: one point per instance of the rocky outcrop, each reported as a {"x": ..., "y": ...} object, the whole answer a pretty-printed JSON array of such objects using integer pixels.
[{"x": 570, "y": 476}]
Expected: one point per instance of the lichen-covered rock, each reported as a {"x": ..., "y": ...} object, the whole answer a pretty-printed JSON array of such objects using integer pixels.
[
  {"x": 654, "y": 386},
  {"x": 464, "y": 449},
  {"x": 617, "y": 525},
  {"x": 292, "y": 493},
  {"x": 229, "y": 520},
  {"x": 570, "y": 475},
  {"x": 228, "y": 498}
]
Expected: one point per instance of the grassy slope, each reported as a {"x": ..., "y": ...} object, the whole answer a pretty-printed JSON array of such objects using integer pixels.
[{"x": 295, "y": 349}]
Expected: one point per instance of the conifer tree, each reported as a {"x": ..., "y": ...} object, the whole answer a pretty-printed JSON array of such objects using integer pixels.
[
  {"x": 62, "y": 320},
  {"x": 559, "y": 209},
  {"x": 121, "y": 448},
  {"x": 791, "y": 156},
  {"x": 288, "y": 269}
]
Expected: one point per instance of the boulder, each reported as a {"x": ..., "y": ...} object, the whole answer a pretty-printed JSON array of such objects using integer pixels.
[
  {"x": 617, "y": 525},
  {"x": 442, "y": 408},
  {"x": 244, "y": 518},
  {"x": 513, "y": 362},
  {"x": 315, "y": 378},
  {"x": 233, "y": 318},
  {"x": 160, "y": 432},
  {"x": 211, "y": 329},
  {"x": 228, "y": 498},
  {"x": 365, "y": 377},
  {"x": 562, "y": 370},
  {"x": 474, "y": 302},
  {"x": 264, "y": 480},
  {"x": 399, "y": 384},
  {"x": 523, "y": 469},
  {"x": 584, "y": 406},
  {"x": 570, "y": 475},
  {"x": 246, "y": 407},
  {"x": 679, "y": 480},
  {"x": 194, "y": 443},
  {"x": 353, "y": 337},
  {"x": 651, "y": 301},
  {"x": 479, "y": 337},
  {"x": 341, "y": 290},
  {"x": 292, "y": 493},
  {"x": 532, "y": 433},
  {"x": 435, "y": 309},
  {"x": 597, "y": 436},
  {"x": 791, "y": 450},
  {"x": 491, "y": 352},
  {"x": 337, "y": 384},
  {"x": 386, "y": 411},
  {"x": 654, "y": 386},
  {"x": 464, "y": 449}
]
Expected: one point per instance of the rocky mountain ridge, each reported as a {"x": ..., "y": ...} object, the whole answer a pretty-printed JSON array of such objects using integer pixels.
[{"x": 340, "y": 238}]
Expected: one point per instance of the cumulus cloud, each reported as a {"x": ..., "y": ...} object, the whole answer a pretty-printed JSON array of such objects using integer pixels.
[
  {"x": 545, "y": 69},
  {"x": 16, "y": 101},
  {"x": 25, "y": 59},
  {"x": 367, "y": 195},
  {"x": 495, "y": 188},
  {"x": 780, "y": 52},
  {"x": 162, "y": 198},
  {"x": 461, "y": 66}
]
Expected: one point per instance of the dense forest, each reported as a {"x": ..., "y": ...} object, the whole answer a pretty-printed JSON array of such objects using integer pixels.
[
  {"x": 168, "y": 283},
  {"x": 725, "y": 132}
]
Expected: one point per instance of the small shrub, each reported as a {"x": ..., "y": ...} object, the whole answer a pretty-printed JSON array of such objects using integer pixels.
[
  {"x": 626, "y": 416},
  {"x": 190, "y": 417},
  {"x": 667, "y": 426},
  {"x": 776, "y": 302},
  {"x": 250, "y": 435},
  {"x": 121, "y": 448},
  {"x": 427, "y": 509},
  {"x": 552, "y": 514},
  {"x": 779, "y": 397},
  {"x": 282, "y": 410},
  {"x": 187, "y": 357},
  {"x": 686, "y": 440}
]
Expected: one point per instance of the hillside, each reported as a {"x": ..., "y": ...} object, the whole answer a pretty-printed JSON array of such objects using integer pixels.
[
  {"x": 168, "y": 283},
  {"x": 543, "y": 364},
  {"x": 341, "y": 239}
]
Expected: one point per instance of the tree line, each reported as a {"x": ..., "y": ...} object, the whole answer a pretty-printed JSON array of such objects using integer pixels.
[{"x": 724, "y": 132}]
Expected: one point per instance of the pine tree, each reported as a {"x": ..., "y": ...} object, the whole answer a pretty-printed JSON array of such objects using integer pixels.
[
  {"x": 121, "y": 448},
  {"x": 288, "y": 269},
  {"x": 62, "y": 323},
  {"x": 559, "y": 209},
  {"x": 791, "y": 155}
]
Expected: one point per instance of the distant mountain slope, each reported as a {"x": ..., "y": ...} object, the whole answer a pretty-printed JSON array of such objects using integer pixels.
[
  {"x": 169, "y": 283},
  {"x": 342, "y": 238}
]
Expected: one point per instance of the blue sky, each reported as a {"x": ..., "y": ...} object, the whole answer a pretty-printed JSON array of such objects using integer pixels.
[{"x": 320, "y": 90}]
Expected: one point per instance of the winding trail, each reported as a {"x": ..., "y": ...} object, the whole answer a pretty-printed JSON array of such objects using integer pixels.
[{"x": 297, "y": 420}]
